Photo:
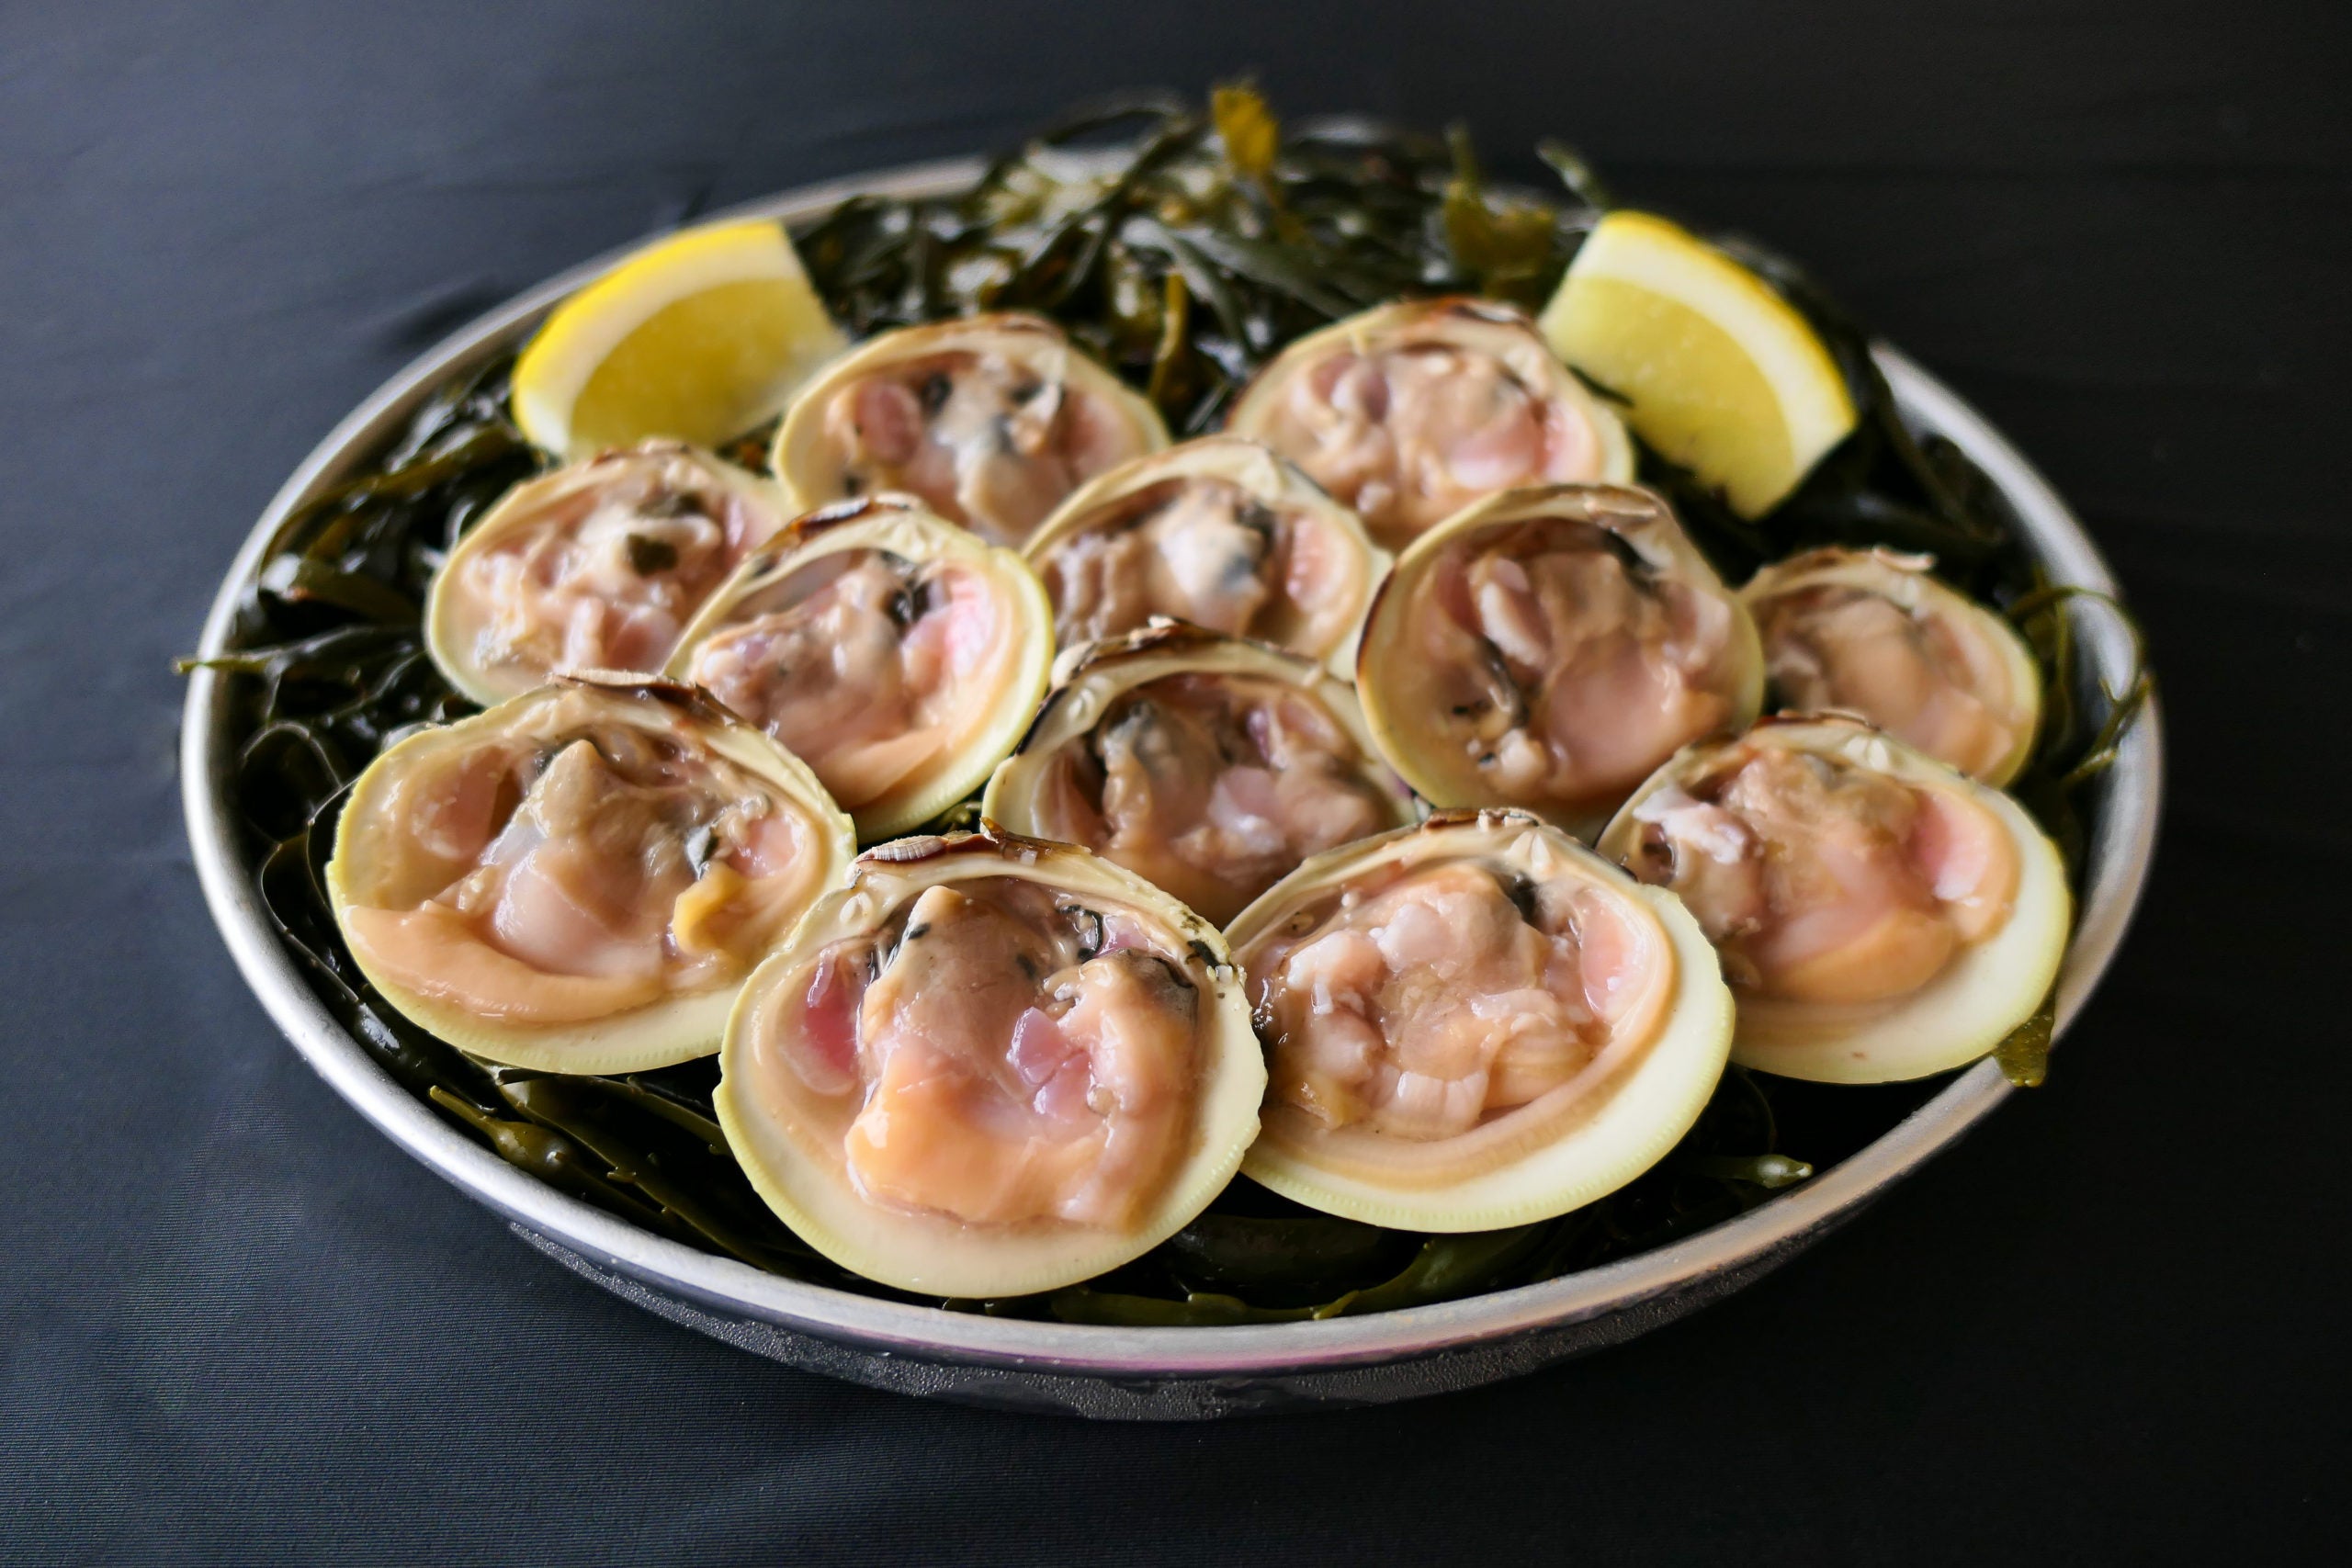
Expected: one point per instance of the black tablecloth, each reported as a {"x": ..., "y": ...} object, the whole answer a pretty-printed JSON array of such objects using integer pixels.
[{"x": 240, "y": 1325}]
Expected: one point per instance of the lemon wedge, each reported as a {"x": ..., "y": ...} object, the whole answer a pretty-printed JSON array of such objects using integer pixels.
[
  {"x": 701, "y": 337},
  {"x": 1723, "y": 375}
]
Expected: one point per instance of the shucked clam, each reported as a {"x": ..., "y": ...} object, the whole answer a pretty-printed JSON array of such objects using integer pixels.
[
  {"x": 1410, "y": 411},
  {"x": 579, "y": 879},
  {"x": 992, "y": 420},
  {"x": 1208, "y": 764},
  {"x": 1474, "y": 1023},
  {"x": 1880, "y": 915},
  {"x": 991, "y": 1065},
  {"x": 1218, "y": 532},
  {"x": 596, "y": 566},
  {"x": 1869, "y": 632},
  {"x": 1547, "y": 647},
  {"x": 900, "y": 655}
]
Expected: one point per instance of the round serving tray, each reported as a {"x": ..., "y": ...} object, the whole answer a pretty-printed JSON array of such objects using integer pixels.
[{"x": 1136, "y": 1374}]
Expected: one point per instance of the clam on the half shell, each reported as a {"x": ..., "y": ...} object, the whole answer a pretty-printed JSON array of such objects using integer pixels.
[
  {"x": 991, "y": 1065},
  {"x": 900, "y": 655},
  {"x": 1869, "y": 632},
  {"x": 1218, "y": 532},
  {"x": 1473, "y": 1024},
  {"x": 990, "y": 420},
  {"x": 1410, "y": 411},
  {"x": 596, "y": 566},
  {"x": 1547, "y": 647},
  {"x": 1879, "y": 915},
  {"x": 1207, "y": 764},
  {"x": 577, "y": 880}
]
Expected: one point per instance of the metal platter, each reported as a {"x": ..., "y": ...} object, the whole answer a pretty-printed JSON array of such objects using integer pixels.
[{"x": 1139, "y": 1373}]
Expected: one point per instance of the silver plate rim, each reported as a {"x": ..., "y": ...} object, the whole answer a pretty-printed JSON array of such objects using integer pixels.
[{"x": 2116, "y": 877}]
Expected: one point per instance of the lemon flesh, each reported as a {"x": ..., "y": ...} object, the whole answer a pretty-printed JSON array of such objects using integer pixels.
[
  {"x": 1722, "y": 375},
  {"x": 701, "y": 337}
]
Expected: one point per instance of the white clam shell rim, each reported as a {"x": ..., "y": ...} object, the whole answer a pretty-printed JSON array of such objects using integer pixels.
[
  {"x": 1987, "y": 990},
  {"x": 1904, "y": 582},
  {"x": 811, "y": 474},
  {"x": 1390, "y": 671},
  {"x": 1271, "y": 479},
  {"x": 1615, "y": 1129},
  {"x": 902, "y": 526},
  {"x": 800, "y": 1173},
  {"x": 445, "y": 638},
  {"x": 677, "y": 1027}
]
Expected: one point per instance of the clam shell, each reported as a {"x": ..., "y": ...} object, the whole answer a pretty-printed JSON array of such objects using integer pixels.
[
  {"x": 812, "y": 475},
  {"x": 1324, "y": 630},
  {"x": 452, "y": 626},
  {"x": 1904, "y": 582},
  {"x": 1581, "y": 1141},
  {"x": 1097, "y": 674},
  {"x": 1391, "y": 673},
  {"x": 901, "y": 526},
  {"x": 791, "y": 1150},
  {"x": 1505, "y": 333},
  {"x": 373, "y": 828},
  {"x": 1988, "y": 988}
]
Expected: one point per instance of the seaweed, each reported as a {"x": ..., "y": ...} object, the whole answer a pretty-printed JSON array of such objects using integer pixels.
[
  {"x": 1184, "y": 248},
  {"x": 2079, "y": 740},
  {"x": 1189, "y": 252}
]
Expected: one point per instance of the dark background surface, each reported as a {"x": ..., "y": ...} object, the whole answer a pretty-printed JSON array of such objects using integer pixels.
[{"x": 237, "y": 1324}]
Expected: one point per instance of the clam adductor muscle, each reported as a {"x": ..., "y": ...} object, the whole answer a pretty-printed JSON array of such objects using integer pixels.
[
  {"x": 1474, "y": 1023},
  {"x": 991, "y": 1066},
  {"x": 579, "y": 879}
]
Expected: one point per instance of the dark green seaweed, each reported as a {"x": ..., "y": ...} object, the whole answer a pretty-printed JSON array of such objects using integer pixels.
[{"x": 1184, "y": 248}]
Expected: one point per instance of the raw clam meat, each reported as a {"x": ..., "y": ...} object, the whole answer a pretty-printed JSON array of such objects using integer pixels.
[
  {"x": 992, "y": 420},
  {"x": 1410, "y": 411},
  {"x": 1879, "y": 915},
  {"x": 989, "y": 1067},
  {"x": 1475, "y": 1024},
  {"x": 579, "y": 880},
  {"x": 1547, "y": 647}
]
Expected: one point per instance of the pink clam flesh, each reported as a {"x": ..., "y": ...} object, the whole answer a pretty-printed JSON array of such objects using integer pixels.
[
  {"x": 1430, "y": 1002},
  {"x": 870, "y": 667},
  {"x": 1002, "y": 1054},
  {"x": 1214, "y": 786},
  {"x": 1822, "y": 882},
  {"x": 983, "y": 438}
]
